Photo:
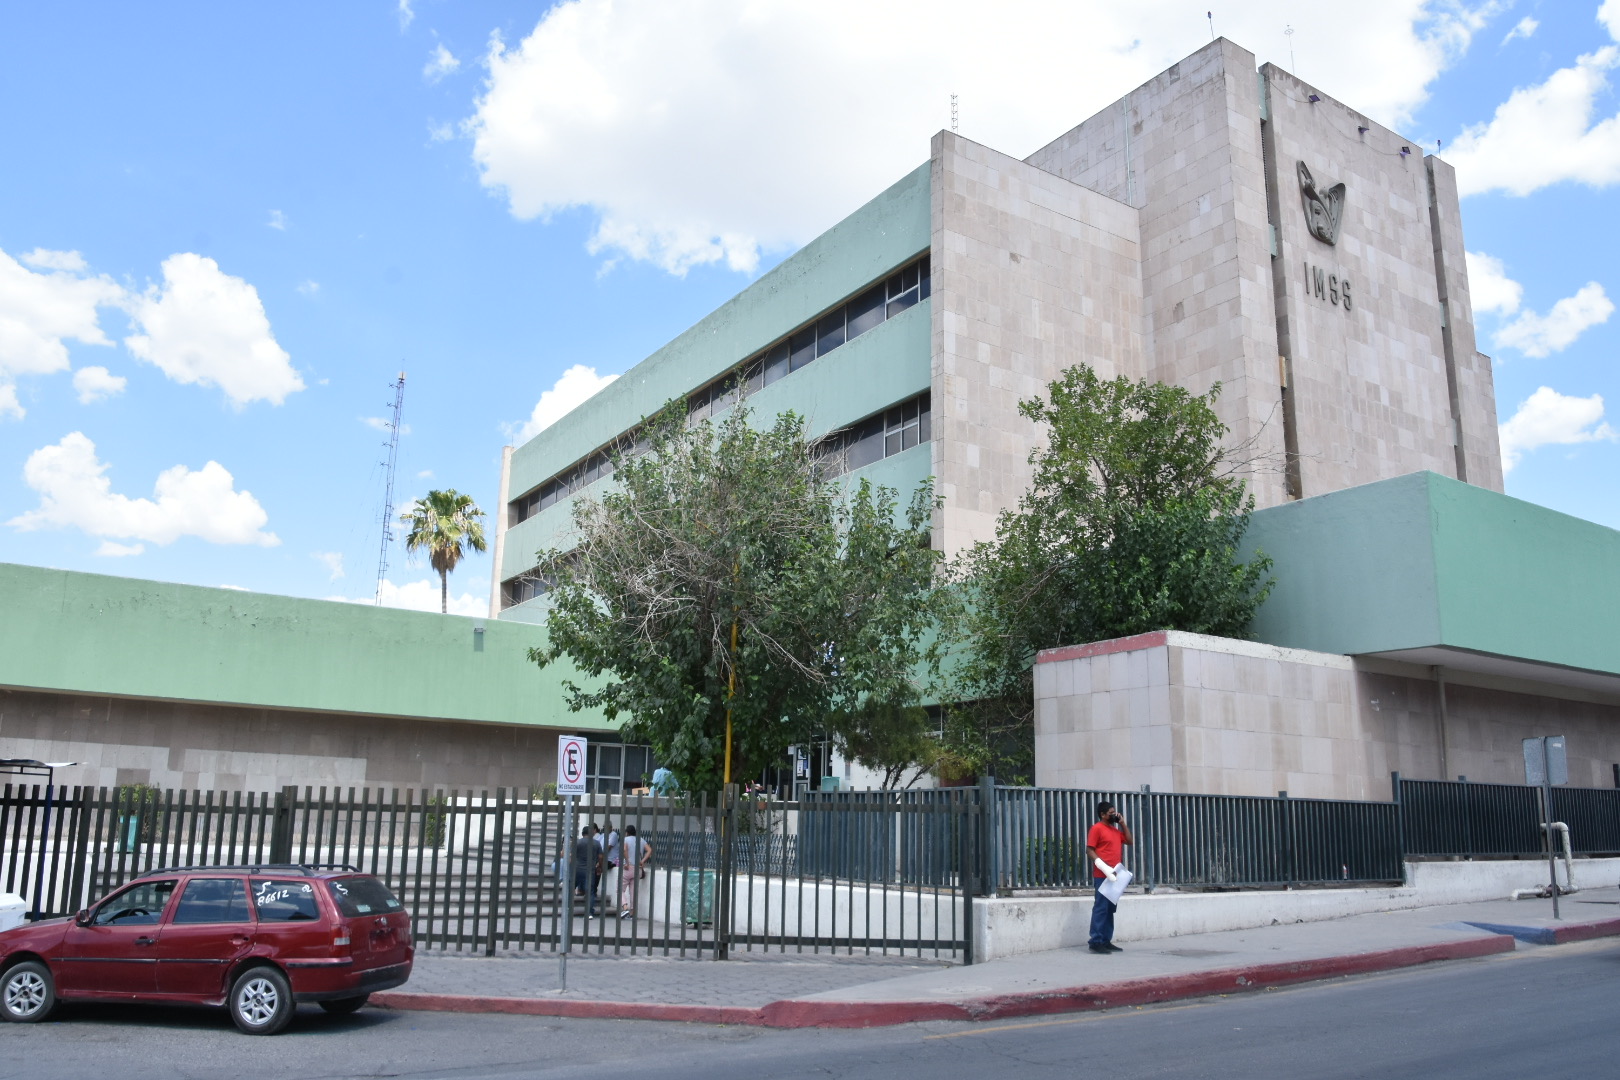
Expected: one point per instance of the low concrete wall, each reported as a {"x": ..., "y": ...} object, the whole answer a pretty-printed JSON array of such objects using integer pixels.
[{"x": 1016, "y": 925}]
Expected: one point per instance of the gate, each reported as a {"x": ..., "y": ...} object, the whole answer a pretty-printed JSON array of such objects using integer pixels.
[{"x": 479, "y": 871}]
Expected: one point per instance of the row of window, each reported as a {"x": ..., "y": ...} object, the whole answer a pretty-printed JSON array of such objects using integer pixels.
[
  {"x": 885, "y": 434},
  {"x": 888, "y": 298},
  {"x": 888, "y": 433}
]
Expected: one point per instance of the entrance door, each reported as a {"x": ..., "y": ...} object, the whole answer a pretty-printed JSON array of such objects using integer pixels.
[
  {"x": 209, "y": 929},
  {"x": 113, "y": 955}
]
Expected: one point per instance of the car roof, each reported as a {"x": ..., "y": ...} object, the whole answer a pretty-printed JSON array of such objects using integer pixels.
[{"x": 284, "y": 869}]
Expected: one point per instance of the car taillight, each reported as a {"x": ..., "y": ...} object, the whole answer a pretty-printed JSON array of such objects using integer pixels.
[{"x": 340, "y": 937}]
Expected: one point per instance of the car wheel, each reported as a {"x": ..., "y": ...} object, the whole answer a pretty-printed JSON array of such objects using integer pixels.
[
  {"x": 261, "y": 1001},
  {"x": 345, "y": 1006},
  {"x": 27, "y": 993}
]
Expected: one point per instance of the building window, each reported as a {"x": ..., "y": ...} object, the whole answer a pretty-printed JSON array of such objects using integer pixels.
[
  {"x": 524, "y": 587},
  {"x": 614, "y": 768},
  {"x": 822, "y": 335},
  {"x": 892, "y": 431}
]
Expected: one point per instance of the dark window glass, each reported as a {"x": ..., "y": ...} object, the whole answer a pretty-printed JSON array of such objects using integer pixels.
[
  {"x": 866, "y": 445},
  {"x": 213, "y": 900},
  {"x": 286, "y": 901},
  {"x": 891, "y": 444},
  {"x": 901, "y": 302},
  {"x": 908, "y": 278},
  {"x": 754, "y": 377},
  {"x": 357, "y": 896},
  {"x": 141, "y": 905},
  {"x": 865, "y": 311},
  {"x": 893, "y": 286},
  {"x": 923, "y": 432},
  {"x": 776, "y": 363},
  {"x": 801, "y": 348},
  {"x": 922, "y": 286},
  {"x": 830, "y": 332}
]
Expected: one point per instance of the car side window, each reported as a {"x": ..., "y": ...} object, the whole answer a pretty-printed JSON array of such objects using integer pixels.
[
  {"x": 286, "y": 901},
  {"x": 139, "y": 905},
  {"x": 212, "y": 900}
]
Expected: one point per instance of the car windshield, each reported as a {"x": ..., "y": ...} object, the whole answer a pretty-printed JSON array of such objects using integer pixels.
[
  {"x": 358, "y": 896},
  {"x": 285, "y": 901},
  {"x": 140, "y": 905}
]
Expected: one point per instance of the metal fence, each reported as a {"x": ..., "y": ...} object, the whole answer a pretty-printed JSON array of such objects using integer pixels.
[
  {"x": 1039, "y": 839},
  {"x": 1466, "y": 819},
  {"x": 479, "y": 871}
]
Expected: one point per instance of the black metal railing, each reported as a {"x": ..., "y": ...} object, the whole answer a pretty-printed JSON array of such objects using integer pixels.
[
  {"x": 1471, "y": 820},
  {"x": 1039, "y": 839}
]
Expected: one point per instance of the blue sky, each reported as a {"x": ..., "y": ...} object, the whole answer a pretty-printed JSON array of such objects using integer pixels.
[{"x": 275, "y": 209}]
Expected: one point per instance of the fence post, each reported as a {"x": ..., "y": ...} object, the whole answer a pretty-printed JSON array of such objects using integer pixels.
[
  {"x": 1288, "y": 839},
  {"x": 495, "y": 869},
  {"x": 722, "y": 886},
  {"x": 1468, "y": 818},
  {"x": 1146, "y": 836},
  {"x": 281, "y": 832},
  {"x": 989, "y": 873},
  {"x": 971, "y": 836}
]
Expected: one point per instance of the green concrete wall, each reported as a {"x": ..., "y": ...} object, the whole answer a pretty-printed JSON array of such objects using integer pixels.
[
  {"x": 1424, "y": 560},
  {"x": 95, "y": 634},
  {"x": 883, "y": 234}
]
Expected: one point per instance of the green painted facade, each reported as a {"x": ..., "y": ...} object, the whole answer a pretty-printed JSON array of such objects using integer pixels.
[
  {"x": 881, "y": 367},
  {"x": 1423, "y": 560},
  {"x": 93, "y": 634}
]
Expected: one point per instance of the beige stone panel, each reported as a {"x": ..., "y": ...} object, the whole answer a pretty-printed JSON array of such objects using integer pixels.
[{"x": 1031, "y": 274}]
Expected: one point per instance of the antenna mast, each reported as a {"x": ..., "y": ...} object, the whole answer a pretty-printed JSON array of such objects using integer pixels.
[{"x": 398, "y": 386}]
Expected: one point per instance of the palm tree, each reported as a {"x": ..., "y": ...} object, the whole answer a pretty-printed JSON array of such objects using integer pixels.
[{"x": 444, "y": 524}]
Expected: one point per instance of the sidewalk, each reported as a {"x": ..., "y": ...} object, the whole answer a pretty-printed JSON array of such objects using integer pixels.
[{"x": 806, "y": 990}]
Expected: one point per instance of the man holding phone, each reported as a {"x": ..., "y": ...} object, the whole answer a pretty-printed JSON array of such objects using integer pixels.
[{"x": 1105, "y": 847}]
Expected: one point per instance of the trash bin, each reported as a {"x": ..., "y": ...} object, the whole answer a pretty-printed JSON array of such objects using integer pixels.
[
  {"x": 13, "y": 910},
  {"x": 697, "y": 897}
]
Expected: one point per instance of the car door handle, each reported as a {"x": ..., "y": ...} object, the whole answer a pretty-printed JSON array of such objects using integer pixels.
[
  {"x": 144, "y": 941},
  {"x": 240, "y": 939}
]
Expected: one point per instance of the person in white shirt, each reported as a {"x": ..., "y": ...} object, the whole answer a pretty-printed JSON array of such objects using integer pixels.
[{"x": 634, "y": 855}]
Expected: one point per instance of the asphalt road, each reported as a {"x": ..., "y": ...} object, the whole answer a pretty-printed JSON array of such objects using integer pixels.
[{"x": 1545, "y": 1012}]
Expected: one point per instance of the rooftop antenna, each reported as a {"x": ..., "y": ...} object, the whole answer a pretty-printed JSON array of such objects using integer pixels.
[
  {"x": 1210, "y": 15},
  {"x": 1292, "y": 67},
  {"x": 398, "y": 386},
  {"x": 953, "y": 114}
]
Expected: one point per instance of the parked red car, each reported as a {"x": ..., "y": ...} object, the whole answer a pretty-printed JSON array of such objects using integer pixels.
[{"x": 255, "y": 939}]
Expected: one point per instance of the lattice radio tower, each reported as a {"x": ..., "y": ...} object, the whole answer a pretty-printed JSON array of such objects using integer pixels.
[{"x": 398, "y": 386}]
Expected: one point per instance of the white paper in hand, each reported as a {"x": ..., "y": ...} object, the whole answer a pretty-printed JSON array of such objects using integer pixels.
[{"x": 1116, "y": 888}]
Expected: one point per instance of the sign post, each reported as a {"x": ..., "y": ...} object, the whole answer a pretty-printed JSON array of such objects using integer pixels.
[
  {"x": 1546, "y": 763},
  {"x": 570, "y": 786}
]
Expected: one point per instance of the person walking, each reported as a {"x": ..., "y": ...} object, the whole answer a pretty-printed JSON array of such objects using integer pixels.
[
  {"x": 587, "y": 867},
  {"x": 610, "y": 855},
  {"x": 1105, "y": 847},
  {"x": 634, "y": 855}
]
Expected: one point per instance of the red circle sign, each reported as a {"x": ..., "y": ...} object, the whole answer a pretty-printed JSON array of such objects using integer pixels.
[{"x": 573, "y": 762}]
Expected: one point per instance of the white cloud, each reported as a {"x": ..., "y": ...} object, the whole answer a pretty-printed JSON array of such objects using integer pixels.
[
  {"x": 706, "y": 131},
  {"x": 45, "y": 259},
  {"x": 332, "y": 560},
  {"x": 278, "y": 221},
  {"x": 423, "y": 596},
  {"x": 425, "y": 474},
  {"x": 1549, "y": 418},
  {"x": 97, "y": 384},
  {"x": 205, "y": 326},
  {"x": 382, "y": 423},
  {"x": 308, "y": 288},
  {"x": 41, "y": 312},
  {"x": 1540, "y": 335},
  {"x": 440, "y": 63},
  {"x": 571, "y": 388},
  {"x": 234, "y": 588},
  {"x": 74, "y": 492},
  {"x": 1489, "y": 286},
  {"x": 404, "y": 13},
  {"x": 441, "y": 132},
  {"x": 1524, "y": 28},
  {"x": 112, "y": 550},
  {"x": 1545, "y": 134}
]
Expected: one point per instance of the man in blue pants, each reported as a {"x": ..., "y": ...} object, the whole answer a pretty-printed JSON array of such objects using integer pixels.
[{"x": 1105, "y": 847}]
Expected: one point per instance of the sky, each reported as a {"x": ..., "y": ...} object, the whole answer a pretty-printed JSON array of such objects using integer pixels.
[{"x": 225, "y": 229}]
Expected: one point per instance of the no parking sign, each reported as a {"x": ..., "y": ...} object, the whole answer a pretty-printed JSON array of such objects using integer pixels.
[{"x": 571, "y": 764}]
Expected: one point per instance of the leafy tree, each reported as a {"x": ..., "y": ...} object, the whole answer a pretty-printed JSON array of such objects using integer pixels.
[
  {"x": 1132, "y": 523},
  {"x": 445, "y": 524},
  {"x": 729, "y": 570}
]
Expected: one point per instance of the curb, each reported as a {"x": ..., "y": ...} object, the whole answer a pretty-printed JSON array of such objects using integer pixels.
[
  {"x": 1554, "y": 935},
  {"x": 807, "y": 1013}
]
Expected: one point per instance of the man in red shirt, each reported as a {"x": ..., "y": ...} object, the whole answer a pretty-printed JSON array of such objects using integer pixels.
[{"x": 1105, "y": 846}]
